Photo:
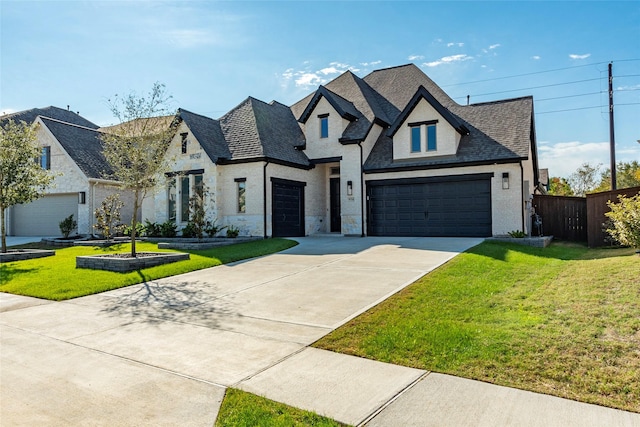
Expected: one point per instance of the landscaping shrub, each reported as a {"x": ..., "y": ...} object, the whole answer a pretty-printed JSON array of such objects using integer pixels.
[
  {"x": 108, "y": 216},
  {"x": 190, "y": 230},
  {"x": 152, "y": 229},
  {"x": 67, "y": 225},
  {"x": 168, "y": 229},
  {"x": 212, "y": 228},
  {"x": 625, "y": 220},
  {"x": 126, "y": 229},
  {"x": 232, "y": 231}
]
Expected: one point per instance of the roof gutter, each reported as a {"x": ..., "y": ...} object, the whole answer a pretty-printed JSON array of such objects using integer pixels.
[{"x": 104, "y": 181}]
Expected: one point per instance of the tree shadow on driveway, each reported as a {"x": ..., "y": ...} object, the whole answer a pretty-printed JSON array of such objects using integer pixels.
[{"x": 165, "y": 300}]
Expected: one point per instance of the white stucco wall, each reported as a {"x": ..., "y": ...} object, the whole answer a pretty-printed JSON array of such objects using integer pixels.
[
  {"x": 317, "y": 147},
  {"x": 156, "y": 208},
  {"x": 447, "y": 138},
  {"x": 507, "y": 206}
]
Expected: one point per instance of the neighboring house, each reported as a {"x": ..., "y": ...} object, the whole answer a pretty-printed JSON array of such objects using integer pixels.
[
  {"x": 71, "y": 149},
  {"x": 389, "y": 154}
]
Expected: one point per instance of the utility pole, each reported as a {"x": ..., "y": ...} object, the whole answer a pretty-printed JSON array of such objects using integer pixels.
[{"x": 612, "y": 137}]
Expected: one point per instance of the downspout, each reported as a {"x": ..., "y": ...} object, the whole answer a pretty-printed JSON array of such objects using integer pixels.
[
  {"x": 362, "y": 192},
  {"x": 264, "y": 195},
  {"x": 522, "y": 197}
]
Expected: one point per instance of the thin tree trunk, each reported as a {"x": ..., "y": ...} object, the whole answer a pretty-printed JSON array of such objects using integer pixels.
[
  {"x": 134, "y": 223},
  {"x": 3, "y": 231}
]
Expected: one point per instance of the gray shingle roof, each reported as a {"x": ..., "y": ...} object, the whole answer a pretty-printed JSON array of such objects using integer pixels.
[
  {"x": 498, "y": 132},
  {"x": 369, "y": 104},
  {"x": 255, "y": 129},
  {"x": 61, "y": 114},
  {"x": 83, "y": 146},
  {"x": 208, "y": 133}
]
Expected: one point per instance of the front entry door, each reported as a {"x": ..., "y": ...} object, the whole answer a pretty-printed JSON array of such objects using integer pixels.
[{"x": 334, "y": 205}]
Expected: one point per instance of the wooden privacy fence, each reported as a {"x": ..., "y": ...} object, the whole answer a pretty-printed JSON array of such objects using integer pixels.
[
  {"x": 563, "y": 217},
  {"x": 578, "y": 219},
  {"x": 596, "y": 208}
]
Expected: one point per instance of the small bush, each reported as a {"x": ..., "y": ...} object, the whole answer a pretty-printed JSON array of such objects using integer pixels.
[
  {"x": 108, "y": 215},
  {"x": 152, "y": 229},
  {"x": 517, "y": 234},
  {"x": 190, "y": 230},
  {"x": 67, "y": 225},
  {"x": 232, "y": 231},
  {"x": 168, "y": 229},
  {"x": 139, "y": 229},
  {"x": 625, "y": 220},
  {"x": 212, "y": 228}
]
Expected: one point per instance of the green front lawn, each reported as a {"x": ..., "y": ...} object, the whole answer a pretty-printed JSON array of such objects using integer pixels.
[
  {"x": 564, "y": 320},
  {"x": 245, "y": 409},
  {"x": 57, "y": 278}
]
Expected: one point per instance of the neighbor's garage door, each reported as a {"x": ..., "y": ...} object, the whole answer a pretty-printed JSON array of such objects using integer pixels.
[
  {"x": 287, "y": 207},
  {"x": 42, "y": 217},
  {"x": 456, "y": 206}
]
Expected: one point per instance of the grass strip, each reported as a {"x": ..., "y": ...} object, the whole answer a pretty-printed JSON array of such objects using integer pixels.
[
  {"x": 242, "y": 409},
  {"x": 563, "y": 320},
  {"x": 57, "y": 278}
]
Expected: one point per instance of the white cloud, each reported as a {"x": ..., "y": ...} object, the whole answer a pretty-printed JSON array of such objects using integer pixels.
[
  {"x": 536, "y": 57},
  {"x": 5, "y": 111},
  {"x": 494, "y": 46},
  {"x": 307, "y": 77},
  {"x": 370, "y": 64},
  {"x": 575, "y": 56},
  {"x": 563, "y": 158},
  {"x": 415, "y": 57},
  {"x": 451, "y": 44},
  {"x": 448, "y": 60}
]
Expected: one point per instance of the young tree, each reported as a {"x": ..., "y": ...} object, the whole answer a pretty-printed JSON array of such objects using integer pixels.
[
  {"x": 559, "y": 187},
  {"x": 108, "y": 216},
  {"x": 135, "y": 148},
  {"x": 22, "y": 180},
  {"x": 585, "y": 179}
]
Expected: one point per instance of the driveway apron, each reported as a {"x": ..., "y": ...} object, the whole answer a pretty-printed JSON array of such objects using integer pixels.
[{"x": 162, "y": 352}]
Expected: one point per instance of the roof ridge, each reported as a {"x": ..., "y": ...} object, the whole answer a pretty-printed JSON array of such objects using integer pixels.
[
  {"x": 197, "y": 114},
  {"x": 69, "y": 124},
  {"x": 498, "y": 101}
]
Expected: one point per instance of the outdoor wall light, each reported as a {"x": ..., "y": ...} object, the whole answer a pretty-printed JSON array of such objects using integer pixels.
[
  {"x": 349, "y": 188},
  {"x": 505, "y": 180},
  {"x": 82, "y": 198}
]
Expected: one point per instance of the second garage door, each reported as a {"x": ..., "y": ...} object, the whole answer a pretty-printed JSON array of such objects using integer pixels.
[
  {"x": 42, "y": 217},
  {"x": 452, "y": 206}
]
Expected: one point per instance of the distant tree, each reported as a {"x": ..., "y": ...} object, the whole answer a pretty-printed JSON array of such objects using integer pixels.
[
  {"x": 585, "y": 179},
  {"x": 135, "y": 148},
  {"x": 627, "y": 175},
  {"x": 22, "y": 180},
  {"x": 559, "y": 187}
]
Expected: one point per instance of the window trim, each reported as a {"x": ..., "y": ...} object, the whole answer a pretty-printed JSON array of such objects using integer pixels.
[
  {"x": 184, "y": 142},
  {"x": 434, "y": 140},
  {"x": 45, "y": 157},
  {"x": 324, "y": 125},
  {"x": 413, "y": 141},
  {"x": 241, "y": 195}
]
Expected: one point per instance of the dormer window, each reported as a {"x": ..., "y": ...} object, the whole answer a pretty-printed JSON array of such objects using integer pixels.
[
  {"x": 431, "y": 138},
  {"x": 415, "y": 139},
  {"x": 184, "y": 142},
  {"x": 324, "y": 125},
  {"x": 428, "y": 135}
]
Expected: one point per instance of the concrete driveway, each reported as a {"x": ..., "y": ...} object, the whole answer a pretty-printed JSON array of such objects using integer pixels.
[{"x": 162, "y": 352}]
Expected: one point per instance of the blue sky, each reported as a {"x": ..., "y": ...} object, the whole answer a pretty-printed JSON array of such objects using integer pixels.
[{"x": 212, "y": 55}]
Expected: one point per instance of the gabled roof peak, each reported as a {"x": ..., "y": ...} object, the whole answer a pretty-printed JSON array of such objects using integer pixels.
[
  {"x": 343, "y": 107},
  {"x": 423, "y": 93}
]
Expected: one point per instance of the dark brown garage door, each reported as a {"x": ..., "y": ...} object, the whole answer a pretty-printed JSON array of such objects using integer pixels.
[
  {"x": 456, "y": 206},
  {"x": 287, "y": 207}
]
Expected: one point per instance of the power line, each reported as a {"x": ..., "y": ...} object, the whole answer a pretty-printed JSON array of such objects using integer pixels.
[
  {"x": 584, "y": 108},
  {"x": 537, "y": 87},
  {"x": 539, "y": 72}
]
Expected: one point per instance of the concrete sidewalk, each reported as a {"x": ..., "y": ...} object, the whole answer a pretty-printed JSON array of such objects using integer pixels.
[{"x": 162, "y": 352}]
